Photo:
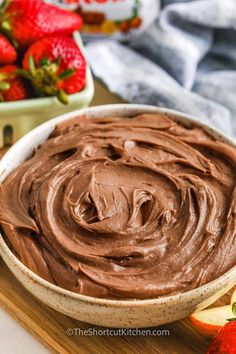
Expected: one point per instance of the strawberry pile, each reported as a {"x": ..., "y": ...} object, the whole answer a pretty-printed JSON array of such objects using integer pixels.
[{"x": 38, "y": 56}]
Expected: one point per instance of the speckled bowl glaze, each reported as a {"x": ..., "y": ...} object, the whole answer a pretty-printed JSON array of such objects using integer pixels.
[{"x": 111, "y": 313}]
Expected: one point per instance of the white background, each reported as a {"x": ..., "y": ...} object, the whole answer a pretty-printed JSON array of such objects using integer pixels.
[{"x": 15, "y": 340}]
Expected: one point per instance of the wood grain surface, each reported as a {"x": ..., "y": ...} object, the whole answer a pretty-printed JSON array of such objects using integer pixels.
[{"x": 50, "y": 326}]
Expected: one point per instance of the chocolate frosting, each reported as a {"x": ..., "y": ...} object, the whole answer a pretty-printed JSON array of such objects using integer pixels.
[{"x": 129, "y": 208}]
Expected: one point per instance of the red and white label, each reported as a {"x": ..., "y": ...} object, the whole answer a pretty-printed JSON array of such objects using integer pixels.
[{"x": 112, "y": 9}]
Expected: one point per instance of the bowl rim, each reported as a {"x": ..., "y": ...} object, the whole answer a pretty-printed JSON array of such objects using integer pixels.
[{"x": 127, "y": 110}]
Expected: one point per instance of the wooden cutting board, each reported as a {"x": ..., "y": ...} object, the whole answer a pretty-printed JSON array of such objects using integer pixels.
[{"x": 50, "y": 326}]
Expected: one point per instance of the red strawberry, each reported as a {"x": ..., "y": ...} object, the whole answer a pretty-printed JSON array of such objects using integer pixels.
[
  {"x": 30, "y": 20},
  {"x": 225, "y": 340},
  {"x": 7, "y": 52},
  {"x": 12, "y": 86},
  {"x": 56, "y": 67}
]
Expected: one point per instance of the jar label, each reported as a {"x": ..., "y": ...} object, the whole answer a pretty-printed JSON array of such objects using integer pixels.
[{"x": 118, "y": 18}]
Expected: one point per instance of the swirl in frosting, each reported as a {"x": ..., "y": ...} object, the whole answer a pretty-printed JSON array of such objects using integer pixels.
[{"x": 124, "y": 208}]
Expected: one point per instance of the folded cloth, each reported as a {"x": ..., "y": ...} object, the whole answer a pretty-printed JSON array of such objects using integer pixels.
[{"x": 186, "y": 60}]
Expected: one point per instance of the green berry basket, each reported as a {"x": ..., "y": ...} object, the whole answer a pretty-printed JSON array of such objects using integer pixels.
[{"x": 19, "y": 117}]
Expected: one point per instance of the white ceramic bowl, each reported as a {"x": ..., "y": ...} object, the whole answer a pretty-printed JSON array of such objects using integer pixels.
[{"x": 113, "y": 313}]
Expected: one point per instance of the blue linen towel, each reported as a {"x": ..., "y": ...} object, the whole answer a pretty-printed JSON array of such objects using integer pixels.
[{"x": 186, "y": 60}]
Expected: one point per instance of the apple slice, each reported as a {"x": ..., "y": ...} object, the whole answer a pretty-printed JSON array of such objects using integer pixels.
[
  {"x": 210, "y": 321},
  {"x": 233, "y": 297}
]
